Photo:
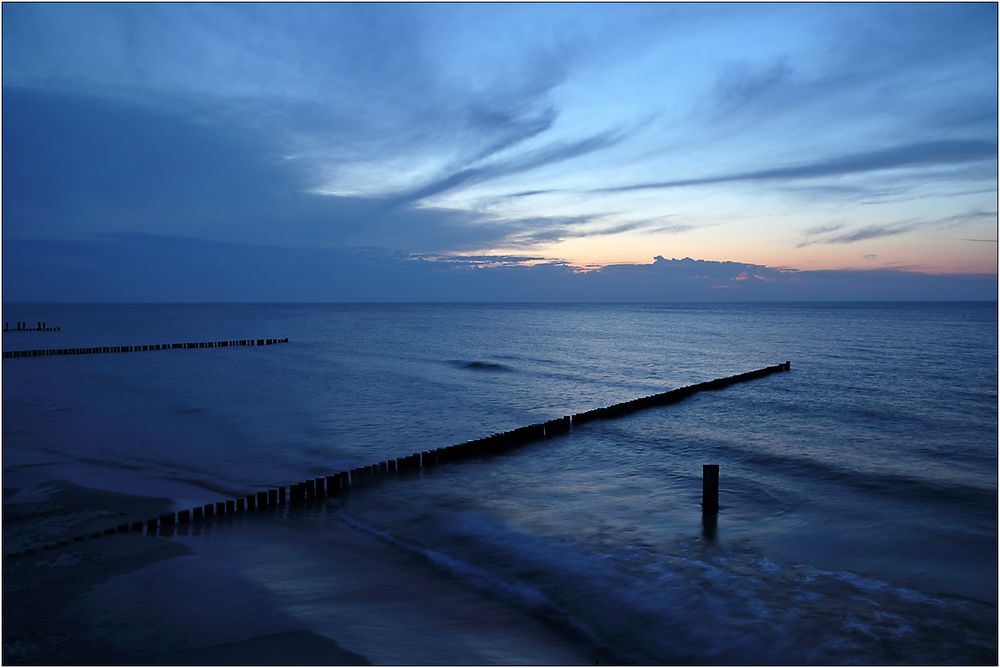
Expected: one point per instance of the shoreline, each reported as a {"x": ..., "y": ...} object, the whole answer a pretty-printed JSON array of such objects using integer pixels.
[
  {"x": 44, "y": 592},
  {"x": 253, "y": 589}
]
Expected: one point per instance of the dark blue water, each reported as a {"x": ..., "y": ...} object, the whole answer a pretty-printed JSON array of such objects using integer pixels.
[{"x": 859, "y": 491}]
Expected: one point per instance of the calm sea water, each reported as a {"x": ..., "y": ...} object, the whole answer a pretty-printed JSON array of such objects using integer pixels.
[{"x": 858, "y": 492}]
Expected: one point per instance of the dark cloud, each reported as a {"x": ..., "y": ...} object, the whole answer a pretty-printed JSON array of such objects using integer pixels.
[
  {"x": 141, "y": 268},
  {"x": 922, "y": 154},
  {"x": 86, "y": 166},
  {"x": 485, "y": 259}
]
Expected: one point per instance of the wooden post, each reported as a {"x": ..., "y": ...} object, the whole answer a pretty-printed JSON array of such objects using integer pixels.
[{"x": 710, "y": 488}]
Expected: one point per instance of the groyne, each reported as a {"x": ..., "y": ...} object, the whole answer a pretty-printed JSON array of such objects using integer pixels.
[
  {"x": 95, "y": 350},
  {"x": 22, "y": 326},
  {"x": 341, "y": 482}
]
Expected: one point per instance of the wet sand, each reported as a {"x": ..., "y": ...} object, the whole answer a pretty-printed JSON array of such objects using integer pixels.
[
  {"x": 46, "y": 618},
  {"x": 290, "y": 587}
]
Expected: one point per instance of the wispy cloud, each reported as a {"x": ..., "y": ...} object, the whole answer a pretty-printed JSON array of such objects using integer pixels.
[
  {"x": 821, "y": 234},
  {"x": 922, "y": 154},
  {"x": 824, "y": 229},
  {"x": 552, "y": 153}
]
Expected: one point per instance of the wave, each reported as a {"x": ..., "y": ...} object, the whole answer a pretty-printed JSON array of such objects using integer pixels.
[
  {"x": 653, "y": 605},
  {"x": 882, "y": 483},
  {"x": 482, "y": 579},
  {"x": 479, "y": 365}
]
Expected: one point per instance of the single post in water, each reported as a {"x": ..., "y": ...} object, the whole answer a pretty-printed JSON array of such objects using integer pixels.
[{"x": 710, "y": 488}]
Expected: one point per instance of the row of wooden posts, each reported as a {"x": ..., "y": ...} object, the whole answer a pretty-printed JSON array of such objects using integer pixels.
[
  {"x": 142, "y": 348},
  {"x": 341, "y": 482},
  {"x": 21, "y": 326}
]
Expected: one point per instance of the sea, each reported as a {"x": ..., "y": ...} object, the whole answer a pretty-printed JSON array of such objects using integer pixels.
[{"x": 858, "y": 492}]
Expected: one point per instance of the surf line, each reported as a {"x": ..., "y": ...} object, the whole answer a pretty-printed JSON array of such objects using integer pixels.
[
  {"x": 343, "y": 481},
  {"x": 142, "y": 348}
]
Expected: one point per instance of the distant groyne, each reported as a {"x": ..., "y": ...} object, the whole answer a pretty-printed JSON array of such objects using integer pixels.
[
  {"x": 141, "y": 348},
  {"x": 341, "y": 482},
  {"x": 22, "y": 326}
]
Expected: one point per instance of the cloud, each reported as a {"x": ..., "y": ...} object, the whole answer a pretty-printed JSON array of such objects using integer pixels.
[
  {"x": 140, "y": 268},
  {"x": 484, "y": 259},
  {"x": 552, "y": 153},
  {"x": 871, "y": 232},
  {"x": 905, "y": 156},
  {"x": 816, "y": 234},
  {"x": 789, "y": 93},
  {"x": 75, "y": 176},
  {"x": 823, "y": 229}
]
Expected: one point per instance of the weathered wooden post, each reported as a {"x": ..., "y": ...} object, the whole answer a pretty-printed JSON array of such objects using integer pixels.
[{"x": 710, "y": 488}]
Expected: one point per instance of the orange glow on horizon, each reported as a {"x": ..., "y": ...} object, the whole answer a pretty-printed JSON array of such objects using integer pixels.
[{"x": 947, "y": 257}]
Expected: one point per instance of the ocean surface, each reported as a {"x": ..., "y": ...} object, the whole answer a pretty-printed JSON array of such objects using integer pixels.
[{"x": 858, "y": 492}]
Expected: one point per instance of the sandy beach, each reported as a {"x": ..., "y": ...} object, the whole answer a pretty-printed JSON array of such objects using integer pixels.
[
  {"x": 136, "y": 599},
  {"x": 46, "y": 618}
]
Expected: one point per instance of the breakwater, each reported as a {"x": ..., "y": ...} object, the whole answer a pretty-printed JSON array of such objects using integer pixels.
[
  {"x": 314, "y": 489},
  {"x": 22, "y": 326},
  {"x": 141, "y": 348}
]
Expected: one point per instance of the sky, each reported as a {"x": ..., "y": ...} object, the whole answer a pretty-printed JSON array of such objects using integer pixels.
[{"x": 572, "y": 151}]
